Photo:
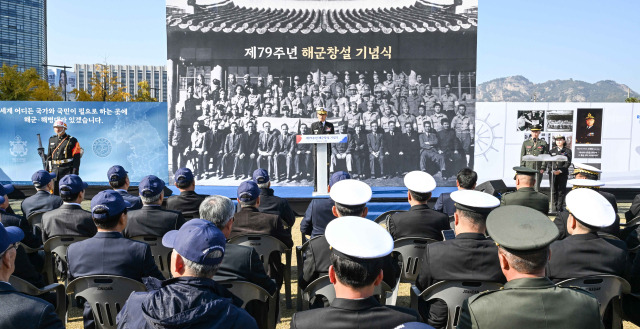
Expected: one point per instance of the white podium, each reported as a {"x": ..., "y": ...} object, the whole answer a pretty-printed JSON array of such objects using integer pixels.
[
  {"x": 321, "y": 143},
  {"x": 552, "y": 159}
]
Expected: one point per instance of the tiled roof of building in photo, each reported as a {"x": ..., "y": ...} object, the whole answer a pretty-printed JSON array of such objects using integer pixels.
[{"x": 229, "y": 17}]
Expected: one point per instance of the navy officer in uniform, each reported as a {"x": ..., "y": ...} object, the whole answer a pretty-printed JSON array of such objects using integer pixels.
[
  {"x": 321, "y": 127},
  {"x": 64, "y": 154},
  {"x": 358, "y": 249},
  {"x": 529, "y": 299}
]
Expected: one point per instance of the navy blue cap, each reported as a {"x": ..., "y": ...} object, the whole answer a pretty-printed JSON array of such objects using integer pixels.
[
  {"x": 198, "y": 240},
  {"x": 9, "y": 236},
  {"x": 261, "y": 176},
  {"x": 6, "y": 189},
  {"x": 183, "y": 175},
  {"x": 116, "y": 173},
  {"x": 41, "y": 178},
  {"x": 338, "y": 176},
  {"x": 248, "y": 191},
  {"x": 110, "y": 200},
  {"x": 150, "y": 186},
  {"x": 72, "y": 184}
]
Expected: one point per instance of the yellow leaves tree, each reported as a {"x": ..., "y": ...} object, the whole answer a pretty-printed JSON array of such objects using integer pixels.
[
  {"x": 25, "y": 86},
  {"x": 104, "y": 87},
  {"x": 42, "y": 91},
  {"x": 144, "y": 93}
]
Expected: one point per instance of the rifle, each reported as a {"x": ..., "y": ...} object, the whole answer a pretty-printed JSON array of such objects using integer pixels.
[{"x": 41, "y": 153}]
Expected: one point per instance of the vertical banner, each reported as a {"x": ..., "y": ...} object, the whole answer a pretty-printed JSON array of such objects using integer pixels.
[
  {"x": 246, "y": 76},
  {"x": 128, "y": 134}
]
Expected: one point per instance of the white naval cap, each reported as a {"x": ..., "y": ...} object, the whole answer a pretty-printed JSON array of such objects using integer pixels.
[
  {"x": 419, "y": 181},
  {"x": 590, "y": 207},
  {"x": 357, "y": 237},
  {"x": 350, "y": 192},
  {"x": 585, "y": 182},
  {"x": 581, "y": 167},
  {"x": 475, "y": 201}
]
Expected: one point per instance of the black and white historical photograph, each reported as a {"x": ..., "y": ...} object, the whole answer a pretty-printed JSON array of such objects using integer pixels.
[
  {"x": 559, "y": 121},
  {"x": 404, "y": 105},
  {"x": 526, "y": 119}
]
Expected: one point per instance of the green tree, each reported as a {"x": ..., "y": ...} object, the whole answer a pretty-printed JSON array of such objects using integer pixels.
[
  {"x": 25, "y": 86},
  {"x": 632, "y": 100},
  {"x": 144, "y": 93},
  {"x": 104, "y": 87}
]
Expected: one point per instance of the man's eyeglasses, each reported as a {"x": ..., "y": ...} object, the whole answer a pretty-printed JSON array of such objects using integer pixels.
[{"x": 14, "y": 246}]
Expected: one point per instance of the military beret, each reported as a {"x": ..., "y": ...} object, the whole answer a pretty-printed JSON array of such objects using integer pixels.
[
  {"x": 590, "y": 207},
  {"x": 536, "y": 127},
  {"x": 521, "y": 228}
]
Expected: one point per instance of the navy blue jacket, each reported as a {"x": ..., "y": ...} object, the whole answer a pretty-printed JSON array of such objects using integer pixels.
[
  {"x": 317, "y": 217},
  {"x": 185, "y": 302},
  {"x": 39, "y": 202},
  {"x": 30, "y": 239},
  {"x": 272, "y": 204},
  {"x": 135, "y": 201},
  {"x": 20, "y": 311},
  {"x": 444, "y": 204},
  {"x": 110, "y": 253}
]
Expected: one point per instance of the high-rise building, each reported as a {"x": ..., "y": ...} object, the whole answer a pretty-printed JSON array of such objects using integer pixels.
[
  {"x": 23, "y": 34},
  {"x": 128, "y": 76}
]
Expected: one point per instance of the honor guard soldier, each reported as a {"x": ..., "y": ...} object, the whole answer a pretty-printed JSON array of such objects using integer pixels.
[
  {"x": 358, "y": 251},
  {"x": 535, "y": 146},
  {"x": 64, "y": 154},
  {"x": 525, "y": 195},
  {"x": 528, "y": 299}
]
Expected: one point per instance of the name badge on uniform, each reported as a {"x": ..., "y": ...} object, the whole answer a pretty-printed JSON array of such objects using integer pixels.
[
  {"x": 528, "y": 146},
  {"x": 327, "y": 129}
]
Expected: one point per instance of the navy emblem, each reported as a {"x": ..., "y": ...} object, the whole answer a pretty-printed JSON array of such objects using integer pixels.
[
  {"x": 18, "y": 147},
  {"x": 102, "y": 147}
]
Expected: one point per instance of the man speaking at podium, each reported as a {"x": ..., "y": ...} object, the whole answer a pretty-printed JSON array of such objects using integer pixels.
[
  {"x": 321, "y": 127},
  {"x": 64, "y": 154},
  {"x": 535, "y": 146}
]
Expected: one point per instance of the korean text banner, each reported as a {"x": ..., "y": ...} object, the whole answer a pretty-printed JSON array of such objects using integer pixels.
[{"x": 129, "y": 134}]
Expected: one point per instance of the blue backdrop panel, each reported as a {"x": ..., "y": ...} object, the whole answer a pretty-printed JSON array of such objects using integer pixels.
[{"x": 133, "y": 135}]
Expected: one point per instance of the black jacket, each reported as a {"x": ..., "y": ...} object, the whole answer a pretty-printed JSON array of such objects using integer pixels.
[
  {"x": 419, "y": 221},
  {"x": 316, "y": 128},
  {"x": 39, "y": 202},
  {"x": 152, "y": 220},
  {"x": 69, "y": 219},
  {"x": 185, "y": 302},
  {"x": 30, "y": 239},
  {"x": 317, "y": 217},
  {"x": 188, "y": 202},
  {"x": 354, "y": 313},
  {"x": 243, "y": 263},
  {"x": 20, "y": 311},
  {"x": 250, "y": 220},
  {"x": 136, "y": 202},
  {"x": 272, "y": 204}
]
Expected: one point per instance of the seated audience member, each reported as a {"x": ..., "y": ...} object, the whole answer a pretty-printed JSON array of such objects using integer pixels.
[
  {"x": 119, "y": 181},
  {"x": 470, "y": 256},
  {"x": 151, "y": 219},
  {"x": 634, "y": 210},
  {"x": 27, "y": 266},
  {"x": 583, "y": 252},
  {"x": 188, "y": 201},
  {"x": 251, "y": 221},
  {"x": 350, "y": 197},
  {"x": 20, "y": 311},
  {"x": 270, "y": 203},
  {"x": 320, "y": 211},
  {"x": 359, "y": 248},
  {"x": 525, "y": 194},
  {"x": 523, "y": 236},
  {"x": 70, "y": 218},
  {"x": 563, "y": 217},
  {"x": 43, "y": 200},
  {"x": 419, "y": 221},
  {"x": 465, "y": 180},
  {"x": 191, "y": 299},
  {"x": 109, "y": 252}
]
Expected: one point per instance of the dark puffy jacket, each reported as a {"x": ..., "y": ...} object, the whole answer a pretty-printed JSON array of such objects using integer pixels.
[{"x": 184, "y": 302}]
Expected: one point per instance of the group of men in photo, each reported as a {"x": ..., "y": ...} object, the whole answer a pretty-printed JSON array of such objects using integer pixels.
[{"x": 394, "y": 126}]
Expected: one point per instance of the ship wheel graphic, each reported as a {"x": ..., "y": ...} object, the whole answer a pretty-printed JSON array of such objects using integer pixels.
[{"x": 484, "y": 137}]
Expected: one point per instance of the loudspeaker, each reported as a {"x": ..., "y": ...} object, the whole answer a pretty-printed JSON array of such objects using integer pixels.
[{"x": 493, "y": 187}]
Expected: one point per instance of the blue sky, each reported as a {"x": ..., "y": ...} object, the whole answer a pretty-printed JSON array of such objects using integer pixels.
[{"x": 542, "y": 40}]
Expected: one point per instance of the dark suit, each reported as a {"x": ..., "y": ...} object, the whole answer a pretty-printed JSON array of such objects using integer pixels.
[
  {"x": 188, "y": 202},
  {"x": 272, "y": 204},
  {"x": 528, "y": 197},
  {"x": 419, "y": 221},
  {"x": 20, "y": 311},
  {"x": 250, "y": 147},
  {"x": 410, "y": 146},
  {"x": 317, "y": 217},
  {"x": 249, "y": 220},
  {"x": 375, "y": 142},
  {"x": 110, "y": 253},
  {"x": 135, "y": 201},
  {"x": 445, "y": 204},
  {"x": 233, "y": 147},
  {"x": 30, "y": 239},
  {"x": 268, "y": 144},
  {"x": 286, "y": 154},
  {"x": 152, "y": 220},
  {"x": 470, "y": 256},
  {"x": 354, "y": 313},
  {"x": 39, "y": 202},
  {"x": 28, "y": 266},
  {"x": 69, "y": 219},
  {"x": 359, "y": 151},
  {"x": 584, "y": 255},
  {"x": 393, "y": 142}
]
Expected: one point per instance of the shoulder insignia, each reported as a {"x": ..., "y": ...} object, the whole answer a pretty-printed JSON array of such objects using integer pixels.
[{"x": 483, "y": 293}]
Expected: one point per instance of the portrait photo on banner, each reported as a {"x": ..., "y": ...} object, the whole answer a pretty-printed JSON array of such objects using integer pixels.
[
  {"x": 589, "y": 126},
  {"x": 399, "y": 78}
]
